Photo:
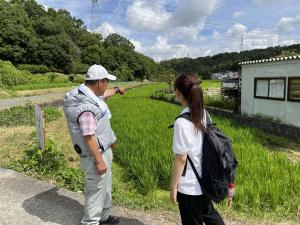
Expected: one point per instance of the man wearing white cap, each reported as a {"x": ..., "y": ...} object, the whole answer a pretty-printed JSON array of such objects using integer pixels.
[{"x": 88, "y": 120}]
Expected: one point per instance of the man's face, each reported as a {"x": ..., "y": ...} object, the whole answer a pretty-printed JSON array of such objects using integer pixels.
[{"x": 102, "y": 86}]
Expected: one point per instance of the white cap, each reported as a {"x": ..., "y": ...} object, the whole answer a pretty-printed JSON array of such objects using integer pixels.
[{"x": 97, "y": 72}]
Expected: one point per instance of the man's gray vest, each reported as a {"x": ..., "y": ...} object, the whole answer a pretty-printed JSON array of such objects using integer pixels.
[{"x": 76, "y": 103}]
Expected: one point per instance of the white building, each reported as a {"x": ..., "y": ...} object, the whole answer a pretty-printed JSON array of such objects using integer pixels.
[{"x": 271, "y": 87}]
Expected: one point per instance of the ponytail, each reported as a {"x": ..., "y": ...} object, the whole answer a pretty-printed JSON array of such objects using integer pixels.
[
  {"x": 196, "y": 106},
  {"x": 188, "y": 85}
]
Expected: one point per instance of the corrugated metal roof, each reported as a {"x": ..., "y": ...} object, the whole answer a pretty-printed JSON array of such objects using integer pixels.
[{"x": 270, "y": 60}]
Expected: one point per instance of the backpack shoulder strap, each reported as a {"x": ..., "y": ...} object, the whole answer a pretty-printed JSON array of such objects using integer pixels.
[
  {"x": 186, "y": 116},
  {"x": 208, "y": 118},
  {"x": 194, "y": 169}
]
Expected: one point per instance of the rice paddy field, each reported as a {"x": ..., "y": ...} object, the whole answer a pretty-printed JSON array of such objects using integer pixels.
[
  {"x": 268, "y": 178},
  {"x": 267, "y": 184}
]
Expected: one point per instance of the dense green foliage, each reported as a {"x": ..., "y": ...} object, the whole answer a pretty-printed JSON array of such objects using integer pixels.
[
  {"x": 15, "y": 79},
  {"x": 53, "y": 40},
  {"x": 51, "y": 164},
  {"x": 267, "y": 181},
  {"x": 10, "y": 76},
  {"x": 205, "y": 66}
]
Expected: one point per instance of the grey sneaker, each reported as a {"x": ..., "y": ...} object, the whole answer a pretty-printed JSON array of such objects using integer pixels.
[{"x": 110, "y": 220}]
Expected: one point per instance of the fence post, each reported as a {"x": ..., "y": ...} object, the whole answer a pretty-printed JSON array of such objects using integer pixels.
[{"x": 40, "y": 128}]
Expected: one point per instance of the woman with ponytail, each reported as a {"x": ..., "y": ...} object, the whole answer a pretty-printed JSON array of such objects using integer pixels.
[{"x": 195, "y": 208}]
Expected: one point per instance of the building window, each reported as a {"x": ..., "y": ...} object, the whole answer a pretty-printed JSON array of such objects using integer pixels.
[
  {"x": 269, "y": 88},
  {"x": 294, "y": 89}
]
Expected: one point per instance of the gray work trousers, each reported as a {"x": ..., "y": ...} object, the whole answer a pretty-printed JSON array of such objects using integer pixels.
[{"x": 97, "y": 191}]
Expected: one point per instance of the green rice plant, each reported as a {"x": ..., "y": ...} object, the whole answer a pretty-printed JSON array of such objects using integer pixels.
[{"x": 267, "y": 184}]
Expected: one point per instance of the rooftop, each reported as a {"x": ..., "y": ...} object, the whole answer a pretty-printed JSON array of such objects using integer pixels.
[{"x": 270, "y": 60}]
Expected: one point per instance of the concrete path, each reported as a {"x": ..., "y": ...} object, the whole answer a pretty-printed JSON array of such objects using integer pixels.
[
  {"x": 28, "y": 201},
  {"x": 10, "y": 102}
]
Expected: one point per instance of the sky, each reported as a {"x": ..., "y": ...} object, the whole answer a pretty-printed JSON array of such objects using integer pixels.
[{"x": 165, "y": 29}]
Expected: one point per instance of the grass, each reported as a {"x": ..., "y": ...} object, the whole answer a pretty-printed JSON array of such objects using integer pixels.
[
  {"x": 42, "y": 86},
  {"x": 24, "y": 115},
  {"x": 209, "y": 84}
]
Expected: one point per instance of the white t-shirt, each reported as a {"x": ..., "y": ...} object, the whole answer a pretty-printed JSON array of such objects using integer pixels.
[{"x": 187, "y": 140}]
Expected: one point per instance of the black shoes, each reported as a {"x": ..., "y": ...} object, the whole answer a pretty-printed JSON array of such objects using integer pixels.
[{"x": 110, "y": 220}]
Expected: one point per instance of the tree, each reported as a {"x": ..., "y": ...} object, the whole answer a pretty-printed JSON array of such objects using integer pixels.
[
  {"x": 118, "y": 40},
  {"x": 124, "y": 73}
]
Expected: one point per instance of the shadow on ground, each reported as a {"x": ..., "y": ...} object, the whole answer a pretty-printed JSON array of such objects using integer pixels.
[{"x": 52, "y": 207}]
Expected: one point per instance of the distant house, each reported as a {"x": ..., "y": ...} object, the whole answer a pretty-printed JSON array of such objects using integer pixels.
[
  {"x": 271, "y": 87},
  {"x": 226, "y": 74}
]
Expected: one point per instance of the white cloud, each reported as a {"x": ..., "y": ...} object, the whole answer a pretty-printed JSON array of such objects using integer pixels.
[
  {"x": 185, "y": 22},
  {"x": 137, "y": 45},
  {"x": 267, "y": 1},
  {"x": 162, "y": 50},
  {"x": 289, "y": 23},
  {"x": 106, "y": 29},
  {"x": 238, "y": 14},
  {"x": 216, "y": 35},
  {"x": 46, "y": 7},
  {"x": 144, "y": 15},
  {"x": 230, "y": 40},
  {"x": 237, "y": 29}
]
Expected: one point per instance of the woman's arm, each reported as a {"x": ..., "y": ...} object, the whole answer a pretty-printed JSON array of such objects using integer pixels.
[{"x": 178, "y": 167}]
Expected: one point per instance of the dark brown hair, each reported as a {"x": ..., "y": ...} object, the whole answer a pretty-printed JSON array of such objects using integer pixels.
[{"x": 188, "y": 86}]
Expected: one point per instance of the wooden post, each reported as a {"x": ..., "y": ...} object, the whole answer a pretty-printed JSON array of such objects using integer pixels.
[{"x": 40, "y": 128}]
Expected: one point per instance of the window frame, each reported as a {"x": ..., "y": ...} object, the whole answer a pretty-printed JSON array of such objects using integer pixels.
[
  {"x": 269, "y": 79},
  {"x": 289, "y": 87}
]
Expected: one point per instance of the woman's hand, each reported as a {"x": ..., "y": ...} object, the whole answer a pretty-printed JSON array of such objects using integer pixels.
[{"x": 173, "y": 195}]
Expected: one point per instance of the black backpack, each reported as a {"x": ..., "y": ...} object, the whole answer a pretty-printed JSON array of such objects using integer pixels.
[{"x": 218, "y": 161}]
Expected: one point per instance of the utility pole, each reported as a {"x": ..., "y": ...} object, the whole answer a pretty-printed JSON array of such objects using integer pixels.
[{"x": 242, "y": 43}]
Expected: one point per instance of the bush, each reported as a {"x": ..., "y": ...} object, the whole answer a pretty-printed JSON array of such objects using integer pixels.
[
  {"x": 34, "y": 68},
  {"x": 61, "y": 79},
  {"x": 80, "y": 68},
  {"x": 39, "y": 79},
  {"x": 52, "y": 164},
  {"x": 51, "y": 114},
  {"x": 220, "y": 101},
  {"x": 164, "y": 94},
  {"x": 52, "y": 77},
  {"x": 79, "y": 79},
  {"x": 10, "y": 76}
]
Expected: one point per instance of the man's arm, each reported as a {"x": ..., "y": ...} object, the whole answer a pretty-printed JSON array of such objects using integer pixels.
[
  {"x": 112, "y": 91},
  {"x": 92, "y": 145},
  {"x": 87, "y": 124}
]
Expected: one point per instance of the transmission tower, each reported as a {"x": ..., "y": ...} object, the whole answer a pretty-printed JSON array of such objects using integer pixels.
[
  {"x": 242, "y": 43},
  {"x": 94, "y": 14}
]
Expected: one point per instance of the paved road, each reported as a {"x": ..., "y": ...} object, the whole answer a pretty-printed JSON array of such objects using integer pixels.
[
  {"x": 28, "y": 201},
  {"x": 10, "y": 102}
]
